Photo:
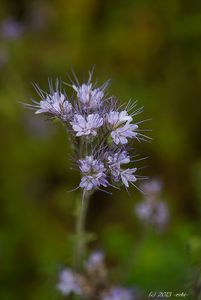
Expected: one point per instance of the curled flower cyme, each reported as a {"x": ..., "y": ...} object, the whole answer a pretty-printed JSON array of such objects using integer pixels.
[{"x": 99, "y": 129}]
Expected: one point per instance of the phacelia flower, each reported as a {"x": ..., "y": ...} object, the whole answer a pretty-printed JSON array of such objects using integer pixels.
[
  {"x": 127, "y": 176},
  {"x": 93, "y": 172},
  {"x": 90, "y": 165},
  {"x": 121, "y": 127},
  {"x": 116, "y": 118},
  {"x": 120, "y": 157},
  {"x": 56, "y": 105},
  {"x": 88, "y": 125},
  {"x": 118, "y": 293},
  {"x": 89, "y": 97},
  {"x": 115, "y": 162},
  {"x": 99, "y": 131},
  {"x": 120, "y": 135},
  {"x": 69, "y": 283}
]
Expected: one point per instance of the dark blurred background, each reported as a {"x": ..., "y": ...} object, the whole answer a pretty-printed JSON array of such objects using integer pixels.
[{"x": 152, "y": 52}]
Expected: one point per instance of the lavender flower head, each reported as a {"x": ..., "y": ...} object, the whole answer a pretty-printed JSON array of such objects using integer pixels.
[
  {"x": 153, "y": 211},
  {"x": 99, "y": 129}
]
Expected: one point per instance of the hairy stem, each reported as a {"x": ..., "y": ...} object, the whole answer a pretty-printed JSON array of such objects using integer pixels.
[{"x": 81, "y": 240}]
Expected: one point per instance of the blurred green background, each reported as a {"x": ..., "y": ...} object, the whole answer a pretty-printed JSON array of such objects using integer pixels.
[{"x": 152, "y": 52}]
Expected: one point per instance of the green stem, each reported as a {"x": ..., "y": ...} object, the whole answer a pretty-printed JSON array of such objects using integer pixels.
[{"x": 80, "y": 246}]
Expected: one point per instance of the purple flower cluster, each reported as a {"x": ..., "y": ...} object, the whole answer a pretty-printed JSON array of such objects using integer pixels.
[
  {"x": 93, "y": 172},
  {"x": 153, "y": 211},
  {"x": 93, "y": 282},
  {"x": 99, "y": 128}
]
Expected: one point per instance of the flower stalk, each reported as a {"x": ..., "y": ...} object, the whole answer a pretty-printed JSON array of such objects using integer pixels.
[
  {"x": 99, "y": 131},
  {"x": 81, "y": 235}
]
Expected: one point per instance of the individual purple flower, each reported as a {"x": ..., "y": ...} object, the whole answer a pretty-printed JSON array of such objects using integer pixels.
[
  {"x": 56, "y": 105},
  {"x": 86, "y": 125},
  {"x": 121, "y": 134},
  {"x": 115, "y": 162},
  {"x": 120, "y": 157},
  {"x": 69, "y": 283},
  {"x": 118, "y": 293},
  {"x": 116, "y": 118},
  {"x": 121, "y": 127},
  {"x": 93, "y": 173},
  {"x": 89, "y": 183},
  {"x": 90, "y": 164},
  {"x": 127, "y": 176},
  {"x": 89, "y": 98}
]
